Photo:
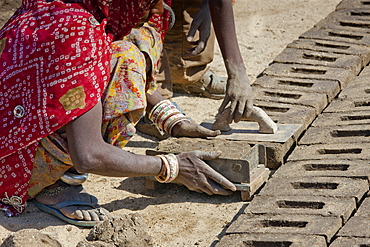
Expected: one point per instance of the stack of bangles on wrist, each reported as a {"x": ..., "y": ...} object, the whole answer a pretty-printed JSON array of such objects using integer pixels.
[
  {"x": 165, "y": 116},
  {"x": 170, "y": 168}
]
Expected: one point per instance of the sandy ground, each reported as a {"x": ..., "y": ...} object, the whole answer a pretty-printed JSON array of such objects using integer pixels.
[{"x": 176, "y": 216}]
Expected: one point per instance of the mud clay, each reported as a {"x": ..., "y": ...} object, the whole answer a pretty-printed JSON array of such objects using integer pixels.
[
  {"x": 230, "y": 149},
  {"x": 30, "y": 238},
  {"x": 124, "y": 231}
]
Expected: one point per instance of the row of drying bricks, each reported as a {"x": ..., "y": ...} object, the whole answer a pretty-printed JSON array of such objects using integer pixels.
[{"x": 319, "y": 196}]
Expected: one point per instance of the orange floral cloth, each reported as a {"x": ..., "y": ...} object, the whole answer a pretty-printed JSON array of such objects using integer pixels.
[
  {"x": 124, "y": 103},
  {"x": 54, "y": 67}
]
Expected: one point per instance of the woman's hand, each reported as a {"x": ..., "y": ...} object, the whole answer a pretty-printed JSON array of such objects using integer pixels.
[
  {"x": 238, "y": 94},
  {"x": 201, "y": 22},
  {"x": 198, "y": 176},
  {"x": 238, "y": 89},
  {"x": 188, "y": 129}
]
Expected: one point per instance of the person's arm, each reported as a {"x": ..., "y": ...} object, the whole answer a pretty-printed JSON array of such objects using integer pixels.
[
  {"x": 184, "y": 128},
  {"x": 91, "y": 154},
  {"x": 238, "y": 90}
]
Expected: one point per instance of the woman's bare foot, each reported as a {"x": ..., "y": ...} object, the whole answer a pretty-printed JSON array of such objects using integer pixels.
[{"x": 58, "y": 192}]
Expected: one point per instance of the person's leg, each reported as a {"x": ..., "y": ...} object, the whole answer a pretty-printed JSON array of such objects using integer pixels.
[
  {"x": 47, "y": 188},
  {"x": 124, "y": 103},
  {"x": 190, "y": 74},
  {"x": 164, "y": 78}
]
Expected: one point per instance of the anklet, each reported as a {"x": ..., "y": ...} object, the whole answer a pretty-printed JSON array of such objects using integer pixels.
[{"x": 53, "y": 192}]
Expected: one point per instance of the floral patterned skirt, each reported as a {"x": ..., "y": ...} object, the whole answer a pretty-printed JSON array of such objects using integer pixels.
[{"x": 124, "y": 103}]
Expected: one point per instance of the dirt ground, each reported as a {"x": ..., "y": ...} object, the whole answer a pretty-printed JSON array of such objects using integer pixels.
[{"x": 174, "y": 215}]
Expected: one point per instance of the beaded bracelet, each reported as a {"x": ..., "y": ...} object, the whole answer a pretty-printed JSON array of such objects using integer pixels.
[{"x": 171, "y": 168}]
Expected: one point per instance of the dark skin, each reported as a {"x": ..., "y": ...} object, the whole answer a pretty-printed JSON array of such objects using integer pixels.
[
  {"x": 91, "y": 154},
  {"x": 238, "y": 90}
]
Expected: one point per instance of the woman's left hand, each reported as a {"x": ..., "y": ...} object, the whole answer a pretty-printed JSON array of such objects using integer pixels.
[{"x": 188, "y": 129}]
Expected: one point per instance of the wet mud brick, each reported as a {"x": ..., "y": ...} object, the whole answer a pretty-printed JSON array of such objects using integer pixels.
[
  {"x": 270, "y": 240},
  {"x": 338, "y": 35},
  {"x": 351, "y": 20},
  {"x": 336, "y": 134},
  {"x": 342, "y": 118},
  {"x": 359, "y": 89},
  {"x": 350, "y": 242},
  {"x": 302, "y": 205},
  {"x": 286, "y": 224},
  {"x": 277, "y": 145},
  {"x": 326, "y": 87},
  {"x": 316, "y": 101},
  {"x": 348, "y": 105},
  {"x": 283, "y": 114},
  {"x": 364, "y": 209},
  {"x": 352, "y": 151},
  {"x": 241, "y": 163},
  {"x": 361, "y": 92},
  {"x": 338, "y": 187},
  {"x": 333, "y": 47},
  {"x": 325, "y": 168},
  {"x": 352, "y": 4},
  {"x": 357, "y": 226},
  {"x": 316, "y": 58},
  {"x": 343, "y": 76}
]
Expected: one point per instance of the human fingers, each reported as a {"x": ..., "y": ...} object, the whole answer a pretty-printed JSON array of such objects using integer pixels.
[
  {"x": 206, "y": 189},
  {"x": 233, "y": 107},
  {"x": 224, "y": 103},
  {"x": 204, "y": 132},
  {"x": 248, "y": 109},
  {"x": 221, "y": 180},
  {"x": 196, "y": 131},
  {"x": 199, "y": 48},
  {"x": 217, "y": 189},
  {"x": 193, "y": 29},
  {"x": 204, "y": 34},
  {"x": 239, "y": 110},
  {"x": 189, "y": 129},
  {"x": 207, "y": 155},
  {"x": 211, "y": 173}
]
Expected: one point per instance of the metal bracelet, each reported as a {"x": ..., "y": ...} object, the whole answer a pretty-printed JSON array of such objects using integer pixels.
[{"x": 74, "y": 178}]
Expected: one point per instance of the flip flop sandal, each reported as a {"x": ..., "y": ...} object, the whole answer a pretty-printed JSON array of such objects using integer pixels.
[
  {"x": 213, "y": 86},
  {"x": 210, "y": 86},
  {"x": 55, "y": 210}
]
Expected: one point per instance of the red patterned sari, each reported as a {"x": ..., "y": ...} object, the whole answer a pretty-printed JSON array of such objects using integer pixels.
[{"x": 54, "y": 67}]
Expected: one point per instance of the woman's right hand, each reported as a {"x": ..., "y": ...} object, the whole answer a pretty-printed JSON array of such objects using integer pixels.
[{"x": 198, "y": 176}]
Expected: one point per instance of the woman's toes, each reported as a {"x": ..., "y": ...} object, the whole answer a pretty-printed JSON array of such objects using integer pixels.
[
  {"x": 103, "y": 214},
  {"x": 86, "y": 215},
  {"x": 94, "y": 214}
]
